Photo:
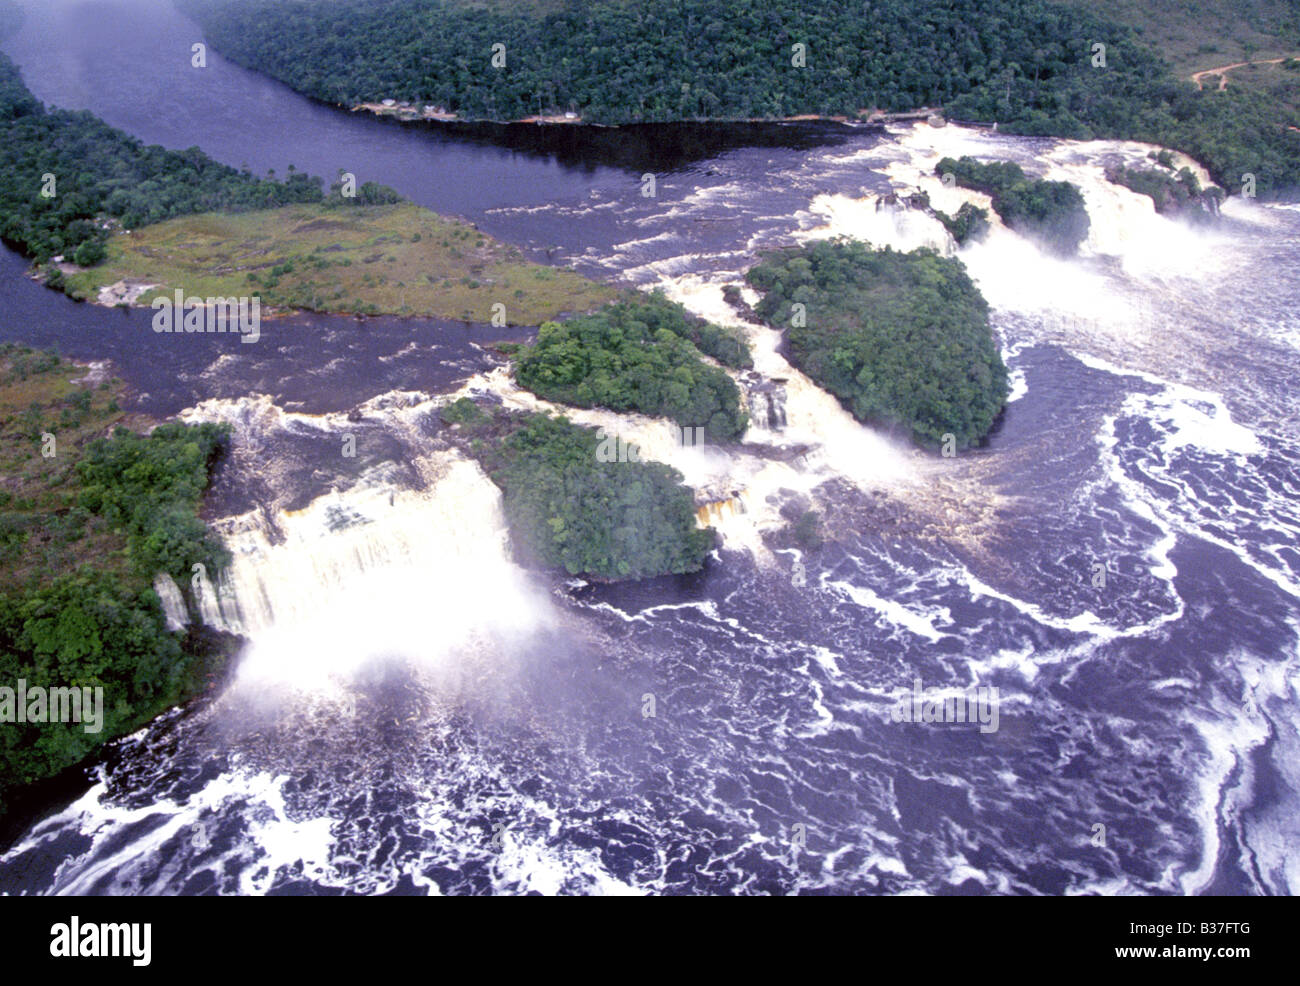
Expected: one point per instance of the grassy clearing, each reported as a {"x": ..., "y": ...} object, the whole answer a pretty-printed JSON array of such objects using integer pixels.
[
  {"x": 1195, "y": 35},
  {"x": 1200, "y": 34},
  {"x": 1282, "y": 84},
  {"x": 389, "y": 259},
  {"x": 43, "y": 533}
]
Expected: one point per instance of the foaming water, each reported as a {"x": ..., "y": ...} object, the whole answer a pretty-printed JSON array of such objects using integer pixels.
[
  {"x": 367, "y": 573},
  {"x": 875, "y": 220},
  {"x": 358, "y": 563},
  {"x": 1136, "y": 296},
  {"x": 417, "y": 715}
]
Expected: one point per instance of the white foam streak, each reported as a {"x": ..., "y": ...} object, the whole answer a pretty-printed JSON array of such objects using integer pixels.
[
  {"x": 163, "y": 826},
  {"x": 892, "y": 610}
]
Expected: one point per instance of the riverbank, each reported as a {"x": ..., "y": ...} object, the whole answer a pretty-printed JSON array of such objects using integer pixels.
[
  {"x": 409, "y": 113},
  {"x": 86, "y": 522}
]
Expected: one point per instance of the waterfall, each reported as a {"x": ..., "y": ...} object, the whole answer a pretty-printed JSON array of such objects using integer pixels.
[
  {"x": 766, "y": 400},
  {"x": 1104, "y": 300},
  {"x": 299, "y": 568},
  {"x": 881, "y": 220},
  {"x": 811, "y": 426},
  {"x": 713, "y": 512},
  {"x": 374, "y": 571},
  {"x": 173, "y": 601}
]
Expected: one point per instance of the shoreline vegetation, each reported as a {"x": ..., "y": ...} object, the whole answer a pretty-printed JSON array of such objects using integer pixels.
[
  {"x": 69, "y": 181},
  {"x": 1032, "y": 67},
  {"x": 408, "y": 113},
  {"x": 86, "y": 524}
]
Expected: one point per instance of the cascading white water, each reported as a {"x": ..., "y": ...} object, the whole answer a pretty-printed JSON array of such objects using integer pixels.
[
  {"x": 1131, "y": 256},
  {"x": 351, "y": 571},
  {"x": 880, "y": 221},
  {"x": 720, "y": 474},
  {"x": 377, "y": 571},
  {"x": 173, "y": 601}
]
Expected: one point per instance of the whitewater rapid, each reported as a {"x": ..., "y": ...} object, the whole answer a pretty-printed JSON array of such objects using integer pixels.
[{"x": 417, "y": 714}]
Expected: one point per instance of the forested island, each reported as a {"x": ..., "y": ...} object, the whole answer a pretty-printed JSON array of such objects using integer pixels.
[
  {"x": 640, "y": 355},
  {"x": 569, "y": 508},
  {"x": 86, "y": 523},
  {"x": 577, "y": 500},
  {"x": 1172, "y": 192},
  {"x": 902, "y": 339},
  {"x": 1031, "y": 66},
  {"x": 1051, "y": 212},
  {"x": 970, "y": 223}
]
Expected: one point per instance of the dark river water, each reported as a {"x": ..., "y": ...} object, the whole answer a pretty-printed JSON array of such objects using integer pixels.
[{"x": 415, "y": 714}]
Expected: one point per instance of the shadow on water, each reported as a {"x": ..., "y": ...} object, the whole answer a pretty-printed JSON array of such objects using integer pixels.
[{"x": 638, "y": 148}]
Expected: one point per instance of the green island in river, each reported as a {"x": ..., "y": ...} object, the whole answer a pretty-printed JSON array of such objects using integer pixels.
[
  {"x": 391, "y": 259},
  {"x": 569, "y": 509},
  {"x": 127, "y": 223},
  {"x": 902, "y": 339}
]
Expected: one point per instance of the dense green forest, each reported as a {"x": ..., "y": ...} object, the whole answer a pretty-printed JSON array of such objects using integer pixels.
[
  {"x": 655, "y": 312},
  {"x": 85, "y": 524},
  {"x": 638, "y": 355},
  {"x": 147, "y": 487},
  {"x": 1030, "y": 65},
  {"x": 1051, "y": 212},
  {"x": 101, "y": 172},
  {"x": 569, "y": 510},
  {"x": 1233, "y": 133},
  {"x": 902, "y": 339}
]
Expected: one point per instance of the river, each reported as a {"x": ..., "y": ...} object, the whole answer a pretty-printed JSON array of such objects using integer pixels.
[{"x": 416, "y": 714}]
